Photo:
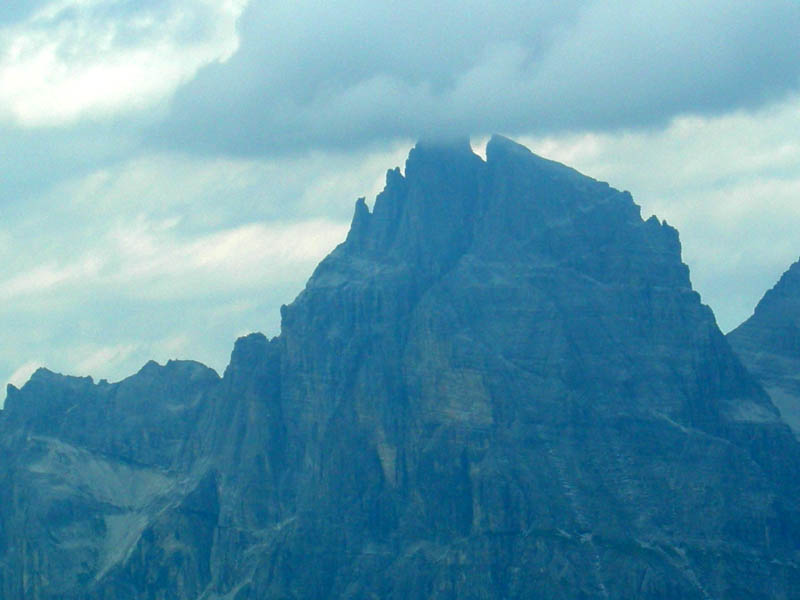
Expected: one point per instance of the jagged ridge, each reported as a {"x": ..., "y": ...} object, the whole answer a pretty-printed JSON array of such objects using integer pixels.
[{"x": 501, "y": 385}]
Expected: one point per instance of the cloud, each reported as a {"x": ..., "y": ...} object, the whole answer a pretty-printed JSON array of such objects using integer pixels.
[
  {"x": 12, "y": 11},
  {"x": 97, "y": 359},
  {"x": 341, "y": 75},
  {"x": 172, "y": 170},
  {"x": 90, "y": 83},
  {"x": 169, "y": 255},
  {"x": 159, "y": 292},
  {"x": 155, "y": 260},
  {"x": 21, "y": 375},
  {"x": 95, "y": 59},
  {"x": 152, "y": 262},
  {"x": 48, "y": 276},
  {"x": 210, "y": 193}
]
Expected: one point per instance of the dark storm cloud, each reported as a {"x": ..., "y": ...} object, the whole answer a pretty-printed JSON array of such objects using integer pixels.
[
  {"x": 346, "y": 74},
  {"x": 309, "y": 73}
]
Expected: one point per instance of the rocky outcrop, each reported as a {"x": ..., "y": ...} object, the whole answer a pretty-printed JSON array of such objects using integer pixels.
[
  {"x": 501, "y": 385},
  {"x": 769, "y": 345},
  {"x": 86, "y": 469}
]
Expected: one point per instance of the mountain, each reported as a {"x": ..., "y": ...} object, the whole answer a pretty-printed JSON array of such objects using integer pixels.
[
  {"x": 769, "y": 345},
  {"x": 500, "y": 385}
]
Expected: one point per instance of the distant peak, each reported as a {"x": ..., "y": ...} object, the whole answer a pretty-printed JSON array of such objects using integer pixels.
[
  {"x": 440, "y": 157},
  {"x": 444, "y": 144},
  {"x": 500, "y": 150},
  {"x": 436, "y": 149},
  {"x": 43, "y": 374},
  {"x": 499, "y": 143},
  {"x": 173, "y": 366},
  {"x": 788, "y": 284},
  {"x": 150, "y": 366},
  {"x": 787, "y": 289}
]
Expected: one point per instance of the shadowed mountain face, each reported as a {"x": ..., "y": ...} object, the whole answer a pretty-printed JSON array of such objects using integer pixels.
[
  {"x": 769, "y": 344},
  {"x": 501, "y": 385}
]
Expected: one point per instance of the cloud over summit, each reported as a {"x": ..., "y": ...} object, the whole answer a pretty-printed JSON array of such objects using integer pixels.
[
  {"x": 259, "y": 77},
  {"x": 346, "y": 74},
  {"x": 158, "y": 157}
]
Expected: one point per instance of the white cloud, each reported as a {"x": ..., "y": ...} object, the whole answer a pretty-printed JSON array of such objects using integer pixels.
[
  {"x": 22, "y": 374},
  {"x": 100, "y": 359},
  {"x": 75, "y": 59},
  {"x": 170, "y": 256},
  {"x": 150, "y": 260},
  {"x": 20, "y": 377},
  {"x": 208, "y": 193},
  {"x": 42, "y": 279},
  {"x": 173, "y": 255}
]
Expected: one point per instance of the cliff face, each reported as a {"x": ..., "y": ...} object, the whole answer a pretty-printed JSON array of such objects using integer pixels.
[
  {"x": 769, "y": 345},
  {"x": 501, "y": 385},
  {"x": 86, "y": 471}
]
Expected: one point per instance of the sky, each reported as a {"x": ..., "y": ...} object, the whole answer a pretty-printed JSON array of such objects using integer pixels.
[{"x": 171, "y": 171}]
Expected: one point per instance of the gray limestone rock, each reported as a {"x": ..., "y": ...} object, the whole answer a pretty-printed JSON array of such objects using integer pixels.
[{"x": 501, "y": 385}]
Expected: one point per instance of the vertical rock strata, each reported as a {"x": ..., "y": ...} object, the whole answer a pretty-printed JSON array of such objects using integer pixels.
[{"x": 501, "y": 385}]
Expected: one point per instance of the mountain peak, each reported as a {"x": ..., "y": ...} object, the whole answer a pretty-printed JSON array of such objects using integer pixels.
[
  {"x": 499, "y": 143},
  {"x": 502, "y": 365},
  {"x": 501, "y": 149},
  {"x": 441, "y": 147},
  {"x": 515, "y": 204},
  {"x": 787, "y": 290},
  {"x": 769, "y": 344},
  {"x": 775, "y": 323},
  {"x": 441, "y": 158}
]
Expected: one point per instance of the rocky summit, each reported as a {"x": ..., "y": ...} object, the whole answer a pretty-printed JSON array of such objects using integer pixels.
[{"x": 500, "y": 385}]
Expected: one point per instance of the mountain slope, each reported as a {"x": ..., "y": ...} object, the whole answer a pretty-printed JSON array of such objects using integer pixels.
[
  {"x": 501, "y": 385},
  {"x": 769, "y": 344}
]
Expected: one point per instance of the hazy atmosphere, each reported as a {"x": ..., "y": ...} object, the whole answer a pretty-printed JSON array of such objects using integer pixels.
[{"x": 172, "y": 170}]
